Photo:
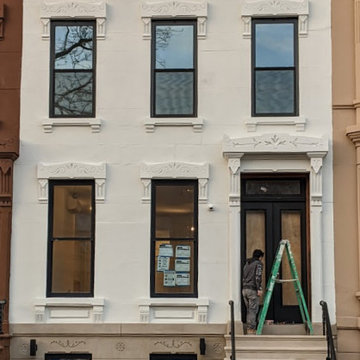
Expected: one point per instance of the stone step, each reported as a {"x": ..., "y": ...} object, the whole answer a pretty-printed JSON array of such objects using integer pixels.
[{"x": 278, "y": 347}]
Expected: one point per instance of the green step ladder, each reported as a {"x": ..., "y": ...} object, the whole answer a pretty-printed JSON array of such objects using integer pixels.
[{"x": 284, "y": 245}]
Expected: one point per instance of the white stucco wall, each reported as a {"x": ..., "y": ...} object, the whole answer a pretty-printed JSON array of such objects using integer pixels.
[{"x": 122, "y": 237}]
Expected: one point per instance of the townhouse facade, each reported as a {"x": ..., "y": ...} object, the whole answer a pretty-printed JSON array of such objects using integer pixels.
[
  {"x": 346, "y": 82},
  {"x": 10, "y": 70},
  {"x": 161, "y": 143}
]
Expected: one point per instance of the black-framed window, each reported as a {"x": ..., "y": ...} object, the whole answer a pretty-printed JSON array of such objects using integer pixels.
[
  {"x": 71, "y": 240},
  {"x": 173, "y": 356},
  {"x": 173, "y": 65},
  {"x": 72, "y": 69},
  {"x": 174, "y": 238},
  {"x": 67, "y": 356},
  {"x": 275, "y": 67}
]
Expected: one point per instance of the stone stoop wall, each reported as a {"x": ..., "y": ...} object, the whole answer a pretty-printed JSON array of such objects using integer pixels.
[{"x": 111, "y": 342}]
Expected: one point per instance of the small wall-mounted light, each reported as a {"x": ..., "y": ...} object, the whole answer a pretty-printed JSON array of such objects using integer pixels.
[
  {"x": 33, "y": 347},
  {"x": 202, "y": 346}
]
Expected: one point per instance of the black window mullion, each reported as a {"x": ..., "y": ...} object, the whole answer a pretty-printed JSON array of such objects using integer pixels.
[
  {"x": 258, "y": 69},
  {"x": 155, "y": 71},
  {"x": 53, "y": 71},
  {"x": 52, "y": 239}
]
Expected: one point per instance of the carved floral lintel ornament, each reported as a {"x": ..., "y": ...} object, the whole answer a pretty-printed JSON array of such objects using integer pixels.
[
  {"x": 259, "y": 8},
  {"x": 174, "y": 8},
  {"x": 72, "y": 170},
  {"x": 70, "y": 9}
]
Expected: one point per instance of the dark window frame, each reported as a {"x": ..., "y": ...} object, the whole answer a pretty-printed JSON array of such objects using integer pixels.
[
  {"x": 53, "y": 71},
  {"x": 154, "y": 71},
  {"x": 70, "y": 356},
  {"x": 294, "y": 68},
  {"x": 52, "y": 184},
  {"x": 180, "y": 182}
]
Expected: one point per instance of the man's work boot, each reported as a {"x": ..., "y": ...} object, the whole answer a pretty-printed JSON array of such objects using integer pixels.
[{"x": 251, "y": 332}]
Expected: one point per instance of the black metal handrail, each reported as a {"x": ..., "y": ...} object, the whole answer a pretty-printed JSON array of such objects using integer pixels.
[
  {"x": 232, "y": 330},
  {"x": 331, "y": 354},
  {"x": 2, "y": 304}
]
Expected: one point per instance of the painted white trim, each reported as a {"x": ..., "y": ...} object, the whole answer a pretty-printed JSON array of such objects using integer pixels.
[
  {"x": 306, "y": 155},
  {"x": 151, "y": 9},
  {"x": 196, "y": 123},
  {"x": 49, "y": 124},
  {"x": 70, "y": 9},
  {"x": 71, "y": 170},
  {"x": 173, "y": 310},
  {"x": 175, "y": 170},
  {"x": 298, "y": 122},
  {"x": 74, "y": 310},
  {"x": 275, "y": 8}
]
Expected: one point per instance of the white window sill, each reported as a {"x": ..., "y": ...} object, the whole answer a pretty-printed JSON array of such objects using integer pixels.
[
  {"x": 173, "y": 310},
  {"x": 299, "y": 122},
  {"x": 69, "y": 310},
  {"x": 195, "y": 122},
  {"x": 49, "y": 123}
]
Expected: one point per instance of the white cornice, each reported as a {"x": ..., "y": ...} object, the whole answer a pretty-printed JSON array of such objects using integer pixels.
[
  {"x": 175, "y": 170},
  {"x": 174, "y": 9},
  {"x": 274, "y": 144},
  {"x": 71, "y": 170},
  {"x": 70, "y": 9},
  {"x": 279, "y": 8}
]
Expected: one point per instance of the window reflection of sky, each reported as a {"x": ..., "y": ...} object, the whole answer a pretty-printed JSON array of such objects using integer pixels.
[
  {"x": 174, "y": 47},
  {"x": 274, "y": 45},
  {"x": 81, "y": 56}
]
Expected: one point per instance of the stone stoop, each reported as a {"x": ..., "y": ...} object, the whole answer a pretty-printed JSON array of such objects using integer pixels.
[{"x": 266, "y": 347}]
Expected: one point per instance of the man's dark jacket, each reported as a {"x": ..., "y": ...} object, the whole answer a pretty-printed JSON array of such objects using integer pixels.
[{"x": 252, "y": 274}]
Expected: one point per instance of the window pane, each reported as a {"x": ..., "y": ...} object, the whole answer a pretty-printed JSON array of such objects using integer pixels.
[
  {"x": 72, "y": 212},
  {"x": 174, "y": 47},
  {"x": 174, "y": 274},
  {"x": 272, "y": 187},
  {"x": 274, "y": 91},
  {"x": 291, "y": 230},
  {"x": 255, "y": 235},
  {"x": 174, "y": 93},
  {"x": 274, "y": 45},
  {"x": 73, "y": 94},
  {"x": 71, "y": 266},
  {"x": 73, "y": 47},
  {"x": 174, "y": 212}
]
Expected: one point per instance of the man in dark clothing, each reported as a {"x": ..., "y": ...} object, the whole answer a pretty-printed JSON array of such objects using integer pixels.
[{"x": 252, "y": 290}]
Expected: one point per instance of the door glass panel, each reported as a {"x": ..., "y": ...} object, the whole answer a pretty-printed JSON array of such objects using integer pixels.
[
  {"x": 273, "y": 187},
  {"x": 291, "y": 230},
  {"x": 255, "y": 234}
]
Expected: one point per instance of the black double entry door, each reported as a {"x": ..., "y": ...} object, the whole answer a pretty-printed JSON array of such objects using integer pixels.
[{"x": 274, "y": 209}]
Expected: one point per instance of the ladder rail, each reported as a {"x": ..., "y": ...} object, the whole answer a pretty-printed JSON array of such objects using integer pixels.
[{"x": 284, "y": 244}]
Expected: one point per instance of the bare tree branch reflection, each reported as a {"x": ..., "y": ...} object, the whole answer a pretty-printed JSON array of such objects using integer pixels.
[{"x": 73, "y": 66}]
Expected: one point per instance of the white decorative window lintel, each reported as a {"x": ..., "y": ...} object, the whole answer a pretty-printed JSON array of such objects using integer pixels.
[
  {"x": 275, "y": 8},
  {"x": 165, "y": 9},
  {"x": 71, "y": 170},
  {"x": 70, "y": 9},
  {"x": 175, "y": 170}
]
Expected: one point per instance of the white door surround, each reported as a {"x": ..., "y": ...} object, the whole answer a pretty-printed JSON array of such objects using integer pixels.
[{"x": 277, "y": 153}]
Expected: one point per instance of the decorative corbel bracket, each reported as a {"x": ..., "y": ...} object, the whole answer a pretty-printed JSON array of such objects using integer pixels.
[
  {"x": 70, "y": 9},
  {"x": 270, "y": 8},
  {"x": 2, "y": 19},
  {"x": 160, "y": 9}
]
